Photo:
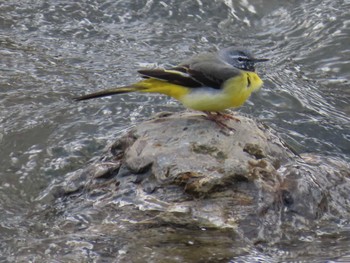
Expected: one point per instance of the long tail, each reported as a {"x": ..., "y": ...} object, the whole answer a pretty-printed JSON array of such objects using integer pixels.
[
  {"x": 148, "y": 85},
  {"x": 108, "y": 92}
]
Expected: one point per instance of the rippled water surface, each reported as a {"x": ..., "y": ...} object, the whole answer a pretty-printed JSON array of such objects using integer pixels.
[{"x": 51, "y": 51}]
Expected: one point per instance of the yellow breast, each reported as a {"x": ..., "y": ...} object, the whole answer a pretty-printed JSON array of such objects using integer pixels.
[{"x": 233, "y": 93}]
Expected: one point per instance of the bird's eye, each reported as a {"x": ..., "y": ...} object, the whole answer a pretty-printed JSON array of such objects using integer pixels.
[{"x": 240, "y": 59}]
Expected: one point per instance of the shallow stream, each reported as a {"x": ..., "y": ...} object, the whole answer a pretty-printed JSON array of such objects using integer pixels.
[{"x": 51, "y": 51}]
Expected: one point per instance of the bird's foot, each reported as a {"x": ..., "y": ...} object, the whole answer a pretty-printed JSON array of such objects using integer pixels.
[
  {"x": 228, "y": 116},
  {"x": 220, "y": 119}
]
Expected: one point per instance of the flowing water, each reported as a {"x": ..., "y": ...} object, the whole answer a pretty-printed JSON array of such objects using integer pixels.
[{"x": 51, "y": 51}]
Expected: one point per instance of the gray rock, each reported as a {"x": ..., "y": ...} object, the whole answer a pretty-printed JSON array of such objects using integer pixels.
[{"x": 183, "y": 170}]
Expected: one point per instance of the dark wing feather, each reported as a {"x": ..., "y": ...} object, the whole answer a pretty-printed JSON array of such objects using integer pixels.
[
  {"x": 213, "y": 75},
  {"x": 174, "y": 76},
  {"x": 211, "y": 70},
  {"x": 205, "y": 70}
]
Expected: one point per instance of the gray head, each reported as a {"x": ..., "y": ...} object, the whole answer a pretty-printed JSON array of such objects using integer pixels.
[{"x": 241, "y": 59}]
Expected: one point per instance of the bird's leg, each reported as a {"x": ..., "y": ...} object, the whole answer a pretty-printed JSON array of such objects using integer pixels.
[
  {"x": 228, "y": 116},
  {"x": 218, "y": 119}
]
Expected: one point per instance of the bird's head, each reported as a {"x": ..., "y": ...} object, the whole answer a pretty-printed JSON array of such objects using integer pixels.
[{"x": 241, "y": 59}]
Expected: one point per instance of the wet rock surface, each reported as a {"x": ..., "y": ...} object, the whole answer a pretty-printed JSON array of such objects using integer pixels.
[{"x": 180, "y": 188}]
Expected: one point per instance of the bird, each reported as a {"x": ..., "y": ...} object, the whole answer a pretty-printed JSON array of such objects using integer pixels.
[{"x": 210, "y": 82}]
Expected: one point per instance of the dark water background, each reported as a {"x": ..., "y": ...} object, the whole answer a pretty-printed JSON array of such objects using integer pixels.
[{"x": 51, "y": 51}]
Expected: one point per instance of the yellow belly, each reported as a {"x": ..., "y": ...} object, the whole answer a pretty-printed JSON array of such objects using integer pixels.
[{"x": 232, "y": 95}]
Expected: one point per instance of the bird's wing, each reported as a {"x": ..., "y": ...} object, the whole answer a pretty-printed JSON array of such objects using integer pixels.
[
  {"x": 201, "y": 71},
  {"x": 176, "y": 75}
]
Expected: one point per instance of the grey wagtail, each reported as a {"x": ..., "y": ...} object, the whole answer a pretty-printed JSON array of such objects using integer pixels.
[{"x": 208, "y": 82}]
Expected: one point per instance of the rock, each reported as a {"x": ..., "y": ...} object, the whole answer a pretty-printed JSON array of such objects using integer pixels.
[
  {"x": 185, "y": 164},
  {"x": 183, "y": 170}
]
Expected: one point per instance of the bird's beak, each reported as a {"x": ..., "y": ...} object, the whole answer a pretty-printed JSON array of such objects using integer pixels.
[{"x": 256, "y": 60}]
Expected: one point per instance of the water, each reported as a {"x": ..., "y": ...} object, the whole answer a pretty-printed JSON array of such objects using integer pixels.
[{"x": 53, "y": 50}]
